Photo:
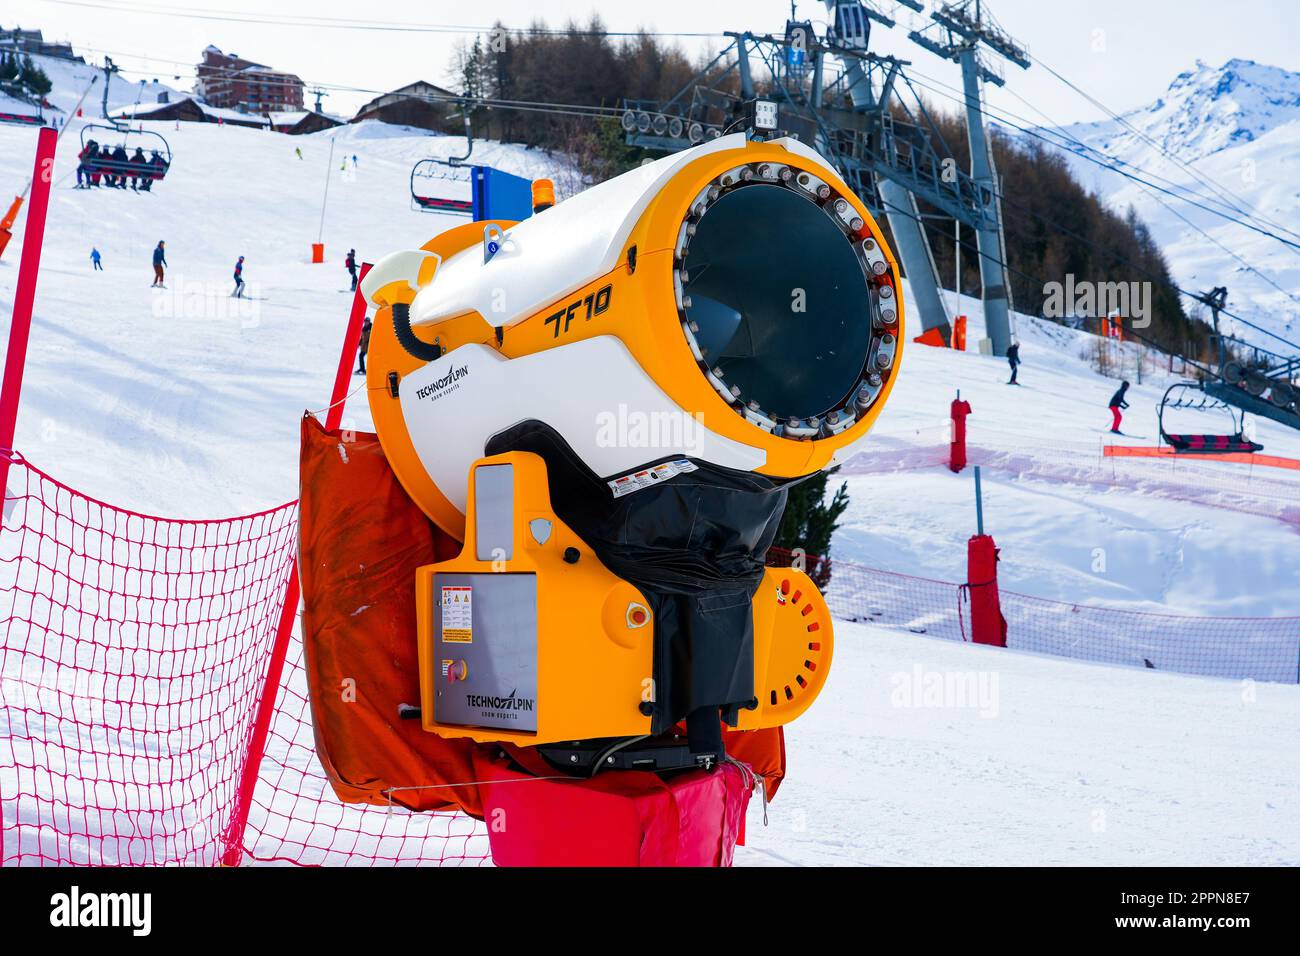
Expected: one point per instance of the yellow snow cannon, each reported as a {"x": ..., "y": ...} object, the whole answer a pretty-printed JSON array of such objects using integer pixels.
[{"x": 606, "y": 403}]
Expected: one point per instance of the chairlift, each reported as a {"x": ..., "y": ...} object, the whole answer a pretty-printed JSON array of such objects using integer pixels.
[
  {"x": 1191, "y": 396},
  {"x": 22, "y": 119},
  {"x": 452, "y": 169},
  {"x": 113, "y": 141},
  {"x": 429, "y": 171}
]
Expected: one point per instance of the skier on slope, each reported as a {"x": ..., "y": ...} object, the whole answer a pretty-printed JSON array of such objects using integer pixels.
[
  {"x": 94, "y": 259},
  {"x": 350, "y": 263},
  {"x": 364, "y": 346},
  {"x": 239, "y": 279},
  {"x": 1013, "y": 359},
  {"x": 1116, "y": 403},
  {"x": 159, "y": 260}
]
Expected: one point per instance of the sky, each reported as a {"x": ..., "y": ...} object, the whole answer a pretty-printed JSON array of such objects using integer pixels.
[{"x": 1123, "y": 52}]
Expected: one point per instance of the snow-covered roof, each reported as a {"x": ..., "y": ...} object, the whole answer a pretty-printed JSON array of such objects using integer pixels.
[
  {"x": 233, "y": 116},
  {"x": 145, "y": 110}
]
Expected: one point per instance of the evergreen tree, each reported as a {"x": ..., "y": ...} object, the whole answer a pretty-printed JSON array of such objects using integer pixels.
[
  {"x": 810, "y": 521},
  {"x": 34, "y": 78}
]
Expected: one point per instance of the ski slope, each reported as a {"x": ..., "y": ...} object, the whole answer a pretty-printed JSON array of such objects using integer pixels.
[
  {"x": 186, "y": 402},
  {"x": 1042, "y": 762}
]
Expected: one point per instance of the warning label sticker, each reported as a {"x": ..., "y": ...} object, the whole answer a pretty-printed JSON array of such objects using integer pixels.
[
  {"x": 647, "y": 477},
  {"x": 457, "y": 615}
]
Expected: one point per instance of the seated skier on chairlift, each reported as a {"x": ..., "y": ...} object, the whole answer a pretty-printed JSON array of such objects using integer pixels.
[
  {"x": 121, "y": 165},
  {"x": 85, "y": 161},
  {"x": 158, "y": 168},
  {"x": 139, "y": 169}
]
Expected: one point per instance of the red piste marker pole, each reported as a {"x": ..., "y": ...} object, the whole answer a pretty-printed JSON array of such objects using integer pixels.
[
  {"x": 233, "y": 838},
  {"x": 351, "y": 339},
  {"x": 25, "y": 296}
]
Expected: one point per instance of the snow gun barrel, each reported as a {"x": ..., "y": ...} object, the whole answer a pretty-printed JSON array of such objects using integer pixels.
[{"x": 739, "y": 286}]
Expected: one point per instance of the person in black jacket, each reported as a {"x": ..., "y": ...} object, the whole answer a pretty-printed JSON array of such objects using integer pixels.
[
  {"x": 1013, "y": 359},
  {"x": 1116, "y": 403},
  {"x": 139, "y": 168},
  {"x": 350, "y": 263},
  {"x": 121, "y": 166}
]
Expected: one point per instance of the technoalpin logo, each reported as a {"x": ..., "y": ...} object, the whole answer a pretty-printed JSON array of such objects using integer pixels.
[
  {"x": 453, "y": 375},
  {"x": 512, "y": 702},
  {"x": 74, "y": 909}
]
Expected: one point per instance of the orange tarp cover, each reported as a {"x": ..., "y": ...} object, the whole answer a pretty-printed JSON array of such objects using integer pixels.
[{"x": 361, "y": 539}]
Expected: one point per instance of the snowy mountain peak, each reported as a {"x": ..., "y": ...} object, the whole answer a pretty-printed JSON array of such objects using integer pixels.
[{"x": 1207, "y": 108}]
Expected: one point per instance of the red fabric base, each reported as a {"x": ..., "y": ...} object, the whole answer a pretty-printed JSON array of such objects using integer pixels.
[
  {"x": 987, "y": 624},
  {"x": 619, "y": 818}
]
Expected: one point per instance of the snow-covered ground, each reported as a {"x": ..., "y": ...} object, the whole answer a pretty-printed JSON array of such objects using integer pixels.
[
  {"x": 185, "y": 402},
  {"x": 1030, "y": 761}
]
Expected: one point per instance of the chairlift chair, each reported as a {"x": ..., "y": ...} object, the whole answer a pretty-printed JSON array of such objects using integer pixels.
[
  {"x": 22, "y": 119},
  {"x": 428, "y": 171},
  {"x": 151, "y": 144},
  {"x": 1193, "y": 397}
]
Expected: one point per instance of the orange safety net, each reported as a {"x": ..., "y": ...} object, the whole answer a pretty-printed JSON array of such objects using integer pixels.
[{"x": 1236, "y": 458}]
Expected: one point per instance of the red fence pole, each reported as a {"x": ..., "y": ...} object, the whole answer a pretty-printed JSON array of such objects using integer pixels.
[
  {"x": 957, "y": 447},
  {"x": 351, "y": 338},
  {"x": 25, "y": 296},
  {"x": 234, "y": 835}
]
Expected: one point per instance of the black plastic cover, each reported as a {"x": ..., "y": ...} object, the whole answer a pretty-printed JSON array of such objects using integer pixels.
[{"x": 694, "y": 545}]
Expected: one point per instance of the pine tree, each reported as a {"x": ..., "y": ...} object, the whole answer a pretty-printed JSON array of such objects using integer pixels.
[
  {"x": 810, "y": 521},
  {"x": 34, "y": 78}
]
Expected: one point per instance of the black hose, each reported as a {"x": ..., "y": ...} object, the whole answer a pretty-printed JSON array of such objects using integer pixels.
[{"x": 416, "y": 347}]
